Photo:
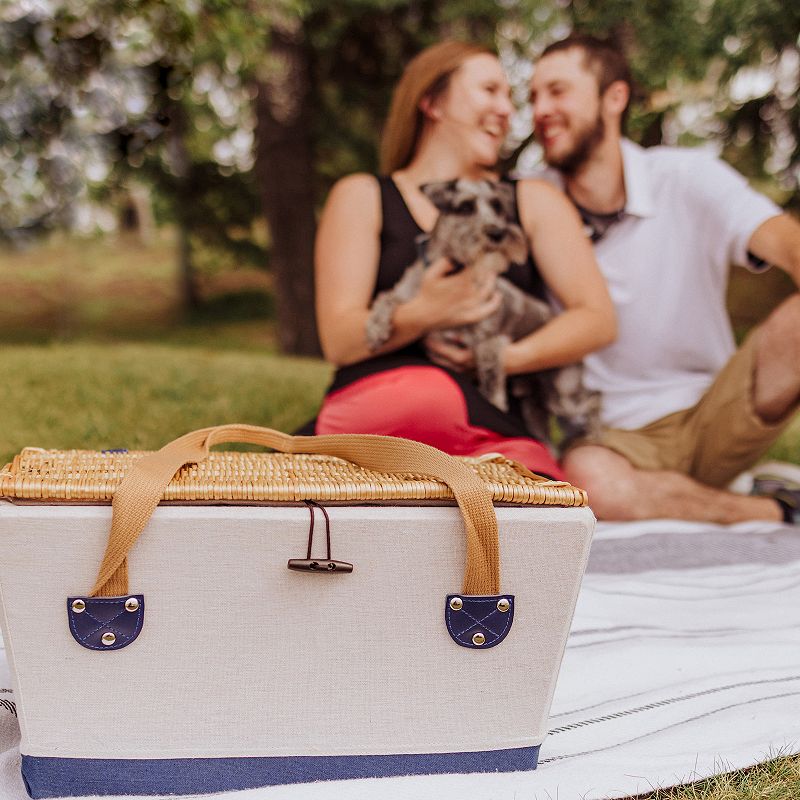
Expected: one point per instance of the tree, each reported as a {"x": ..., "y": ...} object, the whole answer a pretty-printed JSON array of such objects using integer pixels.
[
  {"x": 285, "y": 168},
  {"x": 230, "y": 109},
  {"x": 90, "y": 99}
]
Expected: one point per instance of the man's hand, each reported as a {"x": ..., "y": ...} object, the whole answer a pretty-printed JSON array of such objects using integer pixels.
[{"x": 448, "y": 350}]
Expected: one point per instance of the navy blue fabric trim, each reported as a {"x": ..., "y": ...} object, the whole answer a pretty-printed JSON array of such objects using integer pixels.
[
  {"x": 105, "y": 615},
  {"x": 478, "y": 614},
  {"x": 74, "y": 777}
]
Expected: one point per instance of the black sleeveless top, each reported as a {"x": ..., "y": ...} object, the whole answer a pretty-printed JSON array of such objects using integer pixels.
[{"x": 398, "y": 251}]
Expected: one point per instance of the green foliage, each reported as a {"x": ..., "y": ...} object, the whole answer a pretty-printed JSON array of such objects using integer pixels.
[
  {"x": 662, "y": 38},
  {"x": 121, "y": 88},
  {"x": 111, "y": 81}
]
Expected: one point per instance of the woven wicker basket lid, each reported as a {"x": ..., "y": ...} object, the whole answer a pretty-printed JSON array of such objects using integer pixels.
[{"x": 87, "y": 476}]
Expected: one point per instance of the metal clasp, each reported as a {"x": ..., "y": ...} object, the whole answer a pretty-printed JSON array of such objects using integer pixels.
[{"x": 321, "y": 565}]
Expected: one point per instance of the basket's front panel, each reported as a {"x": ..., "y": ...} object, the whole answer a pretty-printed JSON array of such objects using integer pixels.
[{"x": 238, "y": 656}]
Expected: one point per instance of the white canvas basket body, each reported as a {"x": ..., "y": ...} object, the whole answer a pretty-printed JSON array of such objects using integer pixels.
[{"x": 246, "y": 673}]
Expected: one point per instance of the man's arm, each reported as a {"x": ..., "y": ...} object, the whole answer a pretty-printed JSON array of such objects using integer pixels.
[{"x": 777, "y": 242}]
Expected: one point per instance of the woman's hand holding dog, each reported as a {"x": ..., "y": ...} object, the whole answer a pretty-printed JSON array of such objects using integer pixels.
[
  {"x": 447, "y": 299},
  {"x": 455, "y": 299},
  {"x": 448, "y": 351},
  {"x": 428, "y": 299}
]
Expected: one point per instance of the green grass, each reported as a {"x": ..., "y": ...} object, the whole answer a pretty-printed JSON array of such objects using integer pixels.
[
  {"x": 787, "y": 448},
  {"x": 777, "y": 779},
  {"x": 142, "y": 395},
  {"x": 67, "y": 286}
]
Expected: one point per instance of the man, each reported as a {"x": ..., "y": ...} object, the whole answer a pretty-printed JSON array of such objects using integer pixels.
[{"x": 685, "y": 411}]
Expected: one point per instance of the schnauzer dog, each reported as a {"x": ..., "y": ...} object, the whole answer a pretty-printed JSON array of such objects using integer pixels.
[{"x": 475, "y": 230}]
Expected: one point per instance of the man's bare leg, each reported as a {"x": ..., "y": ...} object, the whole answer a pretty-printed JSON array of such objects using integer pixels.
[
  {"x": 777, "y": 379},
  {"x": 618, "y": 491}
]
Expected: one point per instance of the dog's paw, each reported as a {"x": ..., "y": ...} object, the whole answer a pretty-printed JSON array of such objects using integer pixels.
[
  {"x": 491, "y": 375},
  {"x": 378, "y": 328}
]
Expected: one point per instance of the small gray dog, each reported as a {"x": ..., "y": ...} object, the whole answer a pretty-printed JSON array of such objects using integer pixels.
[{"x": 475, "y": 230}]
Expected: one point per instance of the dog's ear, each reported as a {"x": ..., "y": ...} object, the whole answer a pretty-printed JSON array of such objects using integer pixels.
[{"x": 440, "y": 193}]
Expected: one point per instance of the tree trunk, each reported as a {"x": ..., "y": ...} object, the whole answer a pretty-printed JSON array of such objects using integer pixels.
[
  {"x": 180, "y": 163},
  {"x": 137, "y": 212},
  {"x": 284, "y": 166}
]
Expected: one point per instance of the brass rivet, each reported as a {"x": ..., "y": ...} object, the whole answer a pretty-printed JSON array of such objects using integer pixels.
[
  {"x": 456, "y": 604},
  {"x": 108, "y": 639},
  {"x": 503, "y": 604},
  {"x": 78, "y": 606},
  {"x": 131, "y": 604},
  {"x": 478, "y": 639}
]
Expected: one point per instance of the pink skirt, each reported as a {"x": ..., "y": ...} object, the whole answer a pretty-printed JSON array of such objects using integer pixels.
[{"x": 424, "y": 404}]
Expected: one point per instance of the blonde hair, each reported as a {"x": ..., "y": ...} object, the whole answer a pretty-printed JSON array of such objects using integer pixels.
[{"x": 426, "y": 75}]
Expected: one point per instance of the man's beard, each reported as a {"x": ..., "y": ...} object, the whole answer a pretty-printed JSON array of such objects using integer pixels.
[{"x": 588, "y": 139}]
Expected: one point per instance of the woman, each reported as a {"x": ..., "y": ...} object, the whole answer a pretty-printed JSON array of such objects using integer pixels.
[{"x": 449, "y": 116}]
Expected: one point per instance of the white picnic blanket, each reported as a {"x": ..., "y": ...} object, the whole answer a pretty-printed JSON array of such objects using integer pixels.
[{"x": 683, "y": 662}]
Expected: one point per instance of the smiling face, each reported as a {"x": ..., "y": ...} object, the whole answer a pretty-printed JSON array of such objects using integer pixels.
[
  {"x": 472, "y": 115},
  {"x": 570, "y": 117}
]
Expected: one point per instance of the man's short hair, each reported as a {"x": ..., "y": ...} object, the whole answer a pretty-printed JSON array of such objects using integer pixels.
[{"x": 602, "y": 57}]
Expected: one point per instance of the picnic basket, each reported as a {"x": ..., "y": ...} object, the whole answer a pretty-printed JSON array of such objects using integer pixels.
[{"x": 419, "y": 626}]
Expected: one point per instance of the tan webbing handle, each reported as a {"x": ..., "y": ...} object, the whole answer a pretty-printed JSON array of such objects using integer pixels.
[{"x": 143, "y": 486}]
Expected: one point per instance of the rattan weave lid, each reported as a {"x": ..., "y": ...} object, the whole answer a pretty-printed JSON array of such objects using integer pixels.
[{"x": 37, "y": 475}]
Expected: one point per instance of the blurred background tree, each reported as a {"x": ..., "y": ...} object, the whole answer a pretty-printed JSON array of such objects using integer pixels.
[{"x": 230, "y": 119}]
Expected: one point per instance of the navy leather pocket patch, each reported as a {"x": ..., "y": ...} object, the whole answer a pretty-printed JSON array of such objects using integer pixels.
[
  {"x": 105, "y": 623},
  {"x": 479, "y": 621}
]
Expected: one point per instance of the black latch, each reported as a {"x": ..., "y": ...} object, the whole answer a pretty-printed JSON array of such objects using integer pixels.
[{"x": 321, "y": 565}]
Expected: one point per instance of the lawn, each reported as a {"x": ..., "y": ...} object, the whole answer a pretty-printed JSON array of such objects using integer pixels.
[
  {"x": 139, "y": 396},
  {"x": 96, "y": 353}
]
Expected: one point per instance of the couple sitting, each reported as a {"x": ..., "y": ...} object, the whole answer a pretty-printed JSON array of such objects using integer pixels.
[{"x": 642, "y": 297}]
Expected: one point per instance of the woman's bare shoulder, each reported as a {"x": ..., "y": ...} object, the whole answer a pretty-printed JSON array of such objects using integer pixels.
[
  {"x": 539, "y": 190},
  {"x": 360, "y": 187},
  {"x": 539, "y": 199},
  {"x": 354, "y": 200}
]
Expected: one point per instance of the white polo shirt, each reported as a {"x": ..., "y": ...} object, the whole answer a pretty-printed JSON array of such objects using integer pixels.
[{"x": 688, "y": 216}]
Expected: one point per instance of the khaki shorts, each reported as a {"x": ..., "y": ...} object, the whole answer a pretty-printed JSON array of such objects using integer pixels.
[{"x": 714, "y": 440}]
